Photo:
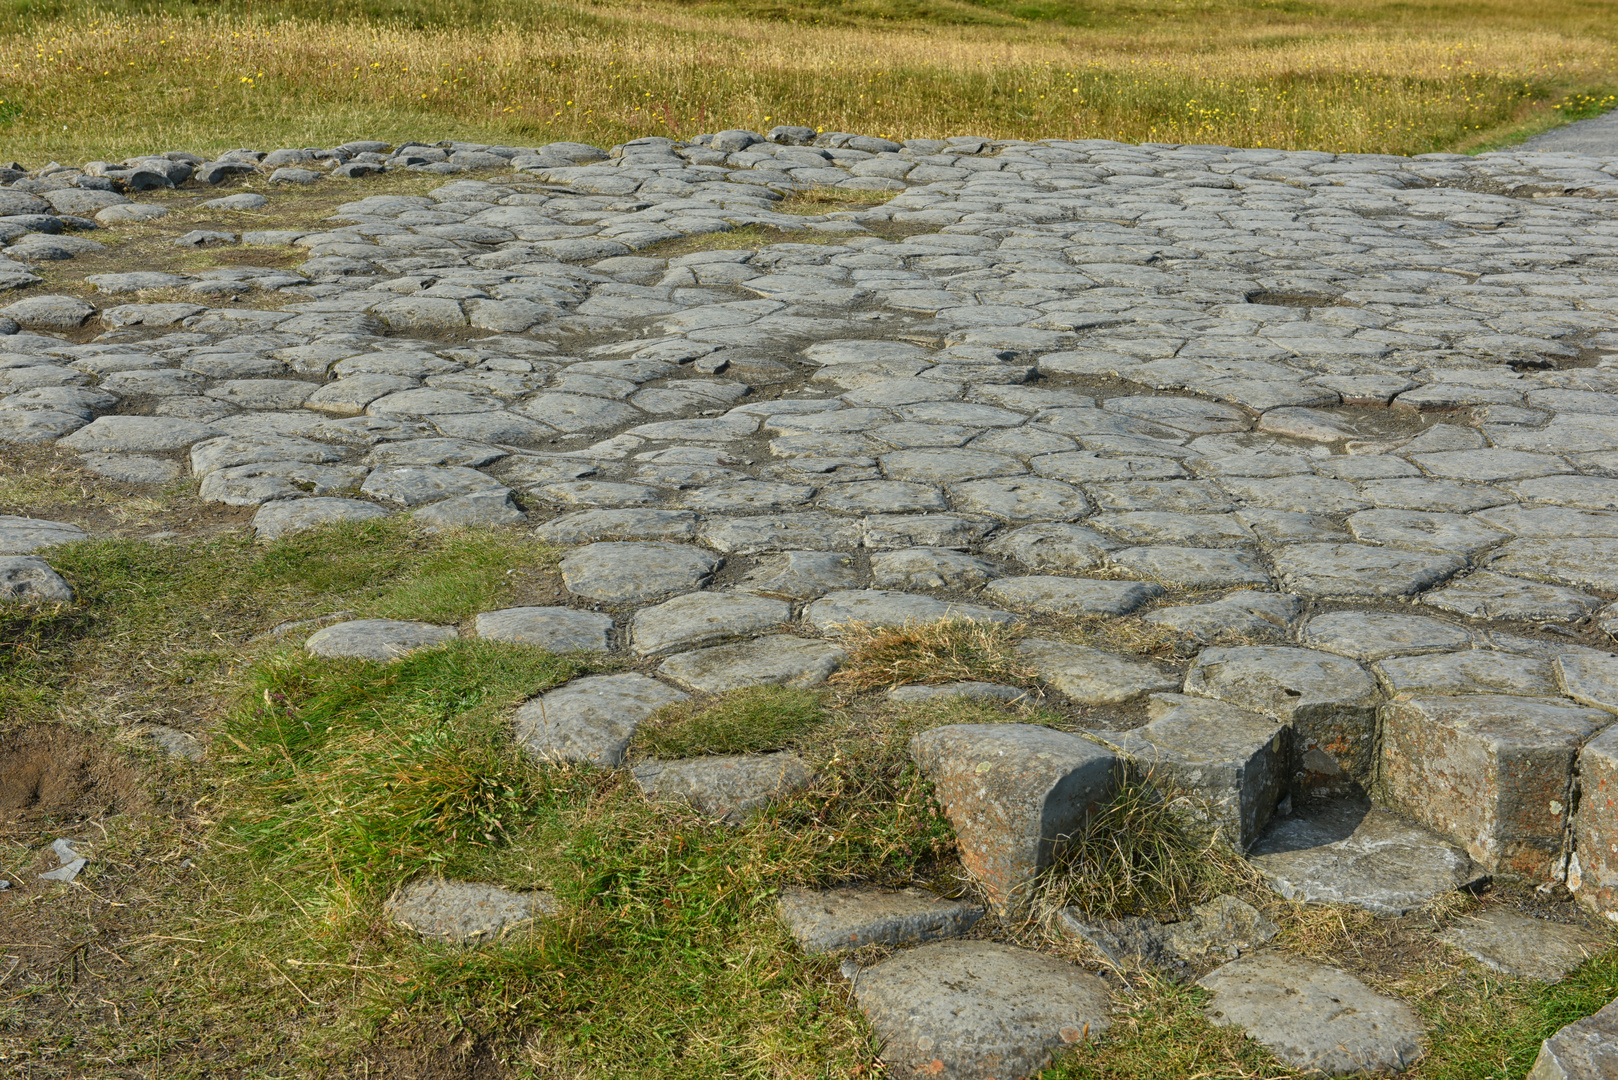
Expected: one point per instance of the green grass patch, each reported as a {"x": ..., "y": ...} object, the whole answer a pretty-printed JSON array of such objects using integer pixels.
[
  {"x": 747, "y": 721},
  {"x": 184, "y": 612}
]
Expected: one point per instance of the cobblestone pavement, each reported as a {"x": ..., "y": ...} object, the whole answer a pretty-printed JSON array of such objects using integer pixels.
[{"x": 1349, "y": 421}]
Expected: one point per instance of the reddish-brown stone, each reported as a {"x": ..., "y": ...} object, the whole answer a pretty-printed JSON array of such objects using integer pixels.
[{"x": 1491, "y": 771}]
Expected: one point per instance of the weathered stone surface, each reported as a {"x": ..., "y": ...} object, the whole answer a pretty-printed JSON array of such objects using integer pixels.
[
  {"x": 1595, "y": 825},
  {"x": 1492, "y": 771},
  {"x": 1329, "y": 701},
  {"x": 1233, "y": 764},
  {"x": 22, "y": 535},
  {"x": 463, "y": 911},
  {"x": 1226, "y": 925},
  {"x": 1583, "y": 1050},
  {"x": 977, "y": 1010},
  {"x": 929, "y": 568},
  {"x": 589, "y": 525},
  {"x": 1589, "y": 679},
  {"x": 1010, "y": 791},
  {"x": 1316, "y": 1019},
  {"x": 413, "y": 485},
  {"x": 875, "y": 607},
  {"x": 803, "y": 575},
  {"x": 1581, "y": 562},
  {"x": 556, "y": 629},
  {"x": 1453, "y": 533},
  {"x": 976, "y": 691},
  {"x": 1350, "y": 853},
  {"x": 1053, "y": 547},
  {"x": 1090, "y": 676},
  {"x": 1524, "y": 947},
  {"x": 381, "y": 640},
  {"x": 1192, "y": 568},
  {"x": 827, "y": 920},
  {"x": 1243, "y": 614},
  {"x": 137, "y": 434},
  {"x": 774, "y": 660},
  {"x": 1481, "y": 671},
  {"x": 1356, "y": 571},
  {"x": 1489, "y": 595},
  {"x": 781, "y": 532},
  {"x": 701, "y": 618},
  {"x": 27, "y": 579},
  {"x": 728, "y": 788},
  {"x": 633, "y": 573},
  {"x": 277, "y": 519},
  {"x": 1071, "y": 596},
  {"x": 591, "y": 720},
  {"x": 493, "y": 506},
  {"x": 1373, "y": 635}
]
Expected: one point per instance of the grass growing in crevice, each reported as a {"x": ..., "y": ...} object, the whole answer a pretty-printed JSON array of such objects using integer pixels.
[
  {"x": 746, "y": 721},
  {"x": 1144, "y": 853},
  {"x": 946, "y": 651}
]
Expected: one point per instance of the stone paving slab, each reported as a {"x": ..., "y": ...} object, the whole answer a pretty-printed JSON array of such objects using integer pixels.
[{"x": 1342, "y": 431}]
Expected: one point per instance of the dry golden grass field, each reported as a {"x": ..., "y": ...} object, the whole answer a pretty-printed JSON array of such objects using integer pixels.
[{"x": 86, "y": 80}]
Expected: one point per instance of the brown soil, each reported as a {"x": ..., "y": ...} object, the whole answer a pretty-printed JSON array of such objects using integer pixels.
[{"x": 55, "y": 776}]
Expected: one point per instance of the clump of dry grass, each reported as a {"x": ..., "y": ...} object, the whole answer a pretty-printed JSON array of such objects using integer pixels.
[
  {"x": 1131, "y": 634},
  {"x": 950, "y": 650},
  {"x": 1144, "y": 853}
]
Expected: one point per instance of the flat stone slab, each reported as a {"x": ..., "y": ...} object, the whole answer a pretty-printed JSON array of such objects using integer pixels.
[
  {"x": 803, "y": 575},
  {"x": 464, "y": 911},
  {"x": 1091, "y": 676},
  {"x": 725, "y": 787},
  {"x": 702, "y": 618},
  {"x": 1584, "y": 1050},
  {"x": 1375, "y": 635},
  {"x": 1071, "y": 596},
  {"x": 1250, "y": 614},
  {"x": 828, "y": 920},
  {"x": 23, "y": 535},
  {"x": 875, "y": 607},
  {"x": 1490, "y": 595},
  {"x": 633, "y": 573},
  {"x": 1580, "y": 562},
  {"x": 1226, "y": 925},
  {"x": 775, "y": 660},
  {"x": 976, "y": 691},
  {"x": 1010, "y": 790},
  {"x": 381, "y": 640},
  {"x": 589, "y": 525},
  {"x": 978, "y": 1010},
  {"x": 1524, "y": 947},
  {"x": 284, "y": 517},
  {"x": 137, "y": 434},
  {"x": 1358, "y": 571},
  {"x": 929, "y": 568},
  {"x": 27, "y": 579},
  {"x": 1053, "y": 547},
  {"x": 556, "y": 629},
  {"x": 591, "y": 720},
  {"x": 1191, "y": 567},
  {"x": 1479, "y": 671},
  {"x": 1350, "y": 853},
  {"x": 1314, "y": 1018}
]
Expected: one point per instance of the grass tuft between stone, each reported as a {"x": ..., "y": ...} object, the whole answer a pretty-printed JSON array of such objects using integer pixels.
[
  {"x": 946, "y": 651},
  {"x": 1145, "y": 853},
  {"x": 747, "y": 721}
]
